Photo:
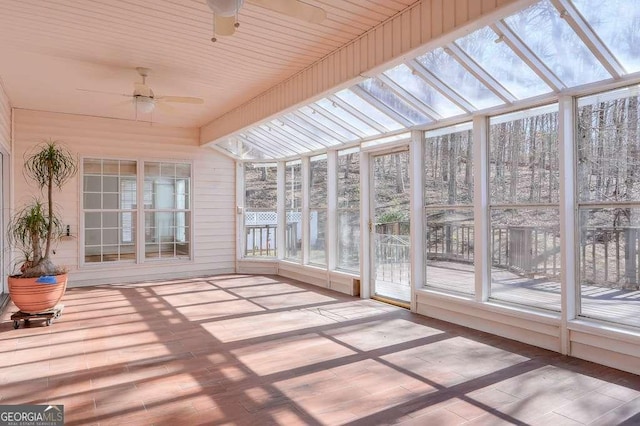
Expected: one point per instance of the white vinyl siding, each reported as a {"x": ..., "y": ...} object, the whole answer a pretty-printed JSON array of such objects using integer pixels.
[
  {"x": 213, "y": 214},
  {"x": 5, "y": 120}
]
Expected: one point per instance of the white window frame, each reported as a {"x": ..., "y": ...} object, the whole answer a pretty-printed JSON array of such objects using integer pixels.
[{"x": 139, "y": 213}]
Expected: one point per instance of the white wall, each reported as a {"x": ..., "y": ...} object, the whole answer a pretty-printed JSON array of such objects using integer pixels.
[
  {"x": 5, "y": 148},
  {"x": 5, "y": 120},
  {"x": 213, "y": 190}
]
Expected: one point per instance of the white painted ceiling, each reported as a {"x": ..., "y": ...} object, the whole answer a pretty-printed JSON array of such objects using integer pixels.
[{"x": 49, "y": 49}]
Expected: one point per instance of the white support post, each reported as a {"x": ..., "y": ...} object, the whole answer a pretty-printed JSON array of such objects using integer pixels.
[
  {"x": 305, "y": 168},
  {"x": 416, "y": 158},
  {"x": 365, "y": 233},
  {"x": 281, "y": 210},
  {"x": 139, "y": 221},
  {"x": 481, "y": 253},
  {"x": 569, "y": 258},
  {"x": 331, "y": 242},
  {"x": 240, "y": 213}
]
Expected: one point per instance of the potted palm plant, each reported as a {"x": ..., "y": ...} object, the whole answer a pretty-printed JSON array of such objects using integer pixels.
[{"x": 35, "y": 228}]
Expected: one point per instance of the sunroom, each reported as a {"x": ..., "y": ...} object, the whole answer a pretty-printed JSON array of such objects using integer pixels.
[
  {"x": 487, "y": 181},
  {"x": 475, "y": 162}
]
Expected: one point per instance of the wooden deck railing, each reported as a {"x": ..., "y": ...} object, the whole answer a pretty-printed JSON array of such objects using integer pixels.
[
  {"x": 607, "y": 254},
  {"x": 261, "y": 241},
  {"x": 611, "y": 255}
]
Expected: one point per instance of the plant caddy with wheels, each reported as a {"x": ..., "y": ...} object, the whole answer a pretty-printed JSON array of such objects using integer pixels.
[{"x": 33, "y": 229}]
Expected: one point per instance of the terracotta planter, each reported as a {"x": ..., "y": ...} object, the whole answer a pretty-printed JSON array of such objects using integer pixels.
[{"x": 32, "y": 296}]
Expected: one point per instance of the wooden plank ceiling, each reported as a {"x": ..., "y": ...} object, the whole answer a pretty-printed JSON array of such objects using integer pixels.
[{"x": 49, "y": 49}]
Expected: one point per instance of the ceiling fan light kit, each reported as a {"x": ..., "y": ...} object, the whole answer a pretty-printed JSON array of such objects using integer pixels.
[
  {"x": 144, "y": 100},
  {"x": 144, "y": 104}
]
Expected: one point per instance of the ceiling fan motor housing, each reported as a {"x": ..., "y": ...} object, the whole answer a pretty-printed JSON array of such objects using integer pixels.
[{"x": 225, "y": 7}]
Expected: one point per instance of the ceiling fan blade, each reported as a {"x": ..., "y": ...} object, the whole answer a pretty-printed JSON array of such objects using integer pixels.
[
  {"x": 127, "y": 103},
  {"x": 104, "y": 93},
  {"x": 165, "y": 108},
  {"x": 295, "y": 9},
  {"x": 225, "y": 25},
  {"x": 180, "y": 99}
]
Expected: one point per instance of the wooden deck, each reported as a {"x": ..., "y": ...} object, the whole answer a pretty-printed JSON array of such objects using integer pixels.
[{"x": 608, "y": 304}]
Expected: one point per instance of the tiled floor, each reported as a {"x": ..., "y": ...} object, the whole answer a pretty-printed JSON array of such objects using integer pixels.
[{"x": 265, "y": 350}]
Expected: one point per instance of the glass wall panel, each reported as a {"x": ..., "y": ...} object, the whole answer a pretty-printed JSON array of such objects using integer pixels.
[
  {"x": 502, "y": 63},
  {"x": 524, "y": 194},
  {"x": 524, "y": 164},
  {"x": 556, "y": 44},
  {"x": 349, "y": 210},
  {"x": 293, "y": 210},
  {"x": 608, "y": 174},
  {"x": 318, "y": 210},
  {"x": 448, "y": 197},
  {"x": 260, "y": 209},
  {"x": 525, "y": 256}
]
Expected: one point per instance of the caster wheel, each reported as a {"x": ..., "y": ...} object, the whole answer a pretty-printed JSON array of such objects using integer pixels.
[
  {"x": 49, "y": 321},
  {"x": 16, "y": 324}
]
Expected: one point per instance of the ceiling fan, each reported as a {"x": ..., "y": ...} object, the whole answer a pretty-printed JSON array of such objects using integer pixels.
[
  {"x": 143, "y": 97},
  {"x": 225, "y": 13}
]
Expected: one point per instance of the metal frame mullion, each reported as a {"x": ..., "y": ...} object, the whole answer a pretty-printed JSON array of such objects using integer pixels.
[
  {"x": 532, "y": 206},
  {"x": 440, "y": 86},
  {"x": 267, "y": 150},
  {"x": 357, "y": 114},
  {"x": 322, "y": 140},
  {"x": 527, "y": 55},
  {"x": 337, "y": 120},
  {"x": 480, "y": 73},
  {"x": 323, "y": 128},
  {"x": 409, "y": 98},
  {"x": 280, "y": 130},
  {"x": 267, "y": 134},
  {"x": 589, "y": 37},
  {"x": 378, "y": 104}
]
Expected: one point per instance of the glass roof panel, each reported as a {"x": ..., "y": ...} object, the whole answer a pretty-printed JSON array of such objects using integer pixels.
[
  {"x": 319, "y": 118},
  {"x": 327, "y": 139},
  {"x": 267, "y": 144},
  {"x": 295, "y": 134},
  {"x": 288, "y": 144},
  {"x": 369, "y": 110},
  {"x": 419, "y": 88},
  {"x": 449, "y": 71},
  {"x": 336, "y": 110},
  {"x": 502, "y": 63},
  {"x": 378, "y": 90},
  {"x": 556, "y": 44},
  {"x": 243, "y": 150},
  {"x": 617, "y": 23}
]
